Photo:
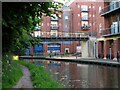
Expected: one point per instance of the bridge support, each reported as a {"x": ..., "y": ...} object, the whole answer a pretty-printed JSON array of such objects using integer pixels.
[{"x": 84, "y": 48}]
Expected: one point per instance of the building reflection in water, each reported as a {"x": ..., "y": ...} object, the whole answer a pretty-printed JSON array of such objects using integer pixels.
[{"x": 82, "y": 75}]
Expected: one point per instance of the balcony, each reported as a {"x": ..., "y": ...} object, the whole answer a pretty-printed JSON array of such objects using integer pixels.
[
  {"x": 113, "y": 7},
  {"x": 84, "y": 18},
  {"x": 111, "y": 32},
  {"x": 85, "y": 27},
  {"x": 84, "y": 10},
  {"x": 54, "y": 19},
  {"x": 37, "y": 28},
  {"x": 54, "y": 28}
]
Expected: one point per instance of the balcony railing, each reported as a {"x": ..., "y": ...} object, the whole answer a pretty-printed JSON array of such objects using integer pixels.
[
  {"x": 54, "y": 28},
  {"x": 37, "y": 28},
  {"x": 110, "y": 8},
  {"x": 111, "y": 31},
  {"x": 84, "y": 10},
  {"x": 85, "y": 19},
  {"x": 54, "y": 19},
  {"x": 85, "y": 27},
  {"x": 60, "y": 34}
]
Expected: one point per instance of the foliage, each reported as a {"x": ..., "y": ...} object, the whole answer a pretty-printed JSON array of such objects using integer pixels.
[
  {"x": 40, "y": 77},
  {"x": 67, "y": 53},
  {"x": 11, "y": 72},
  {"x": 19, "y": 20}
]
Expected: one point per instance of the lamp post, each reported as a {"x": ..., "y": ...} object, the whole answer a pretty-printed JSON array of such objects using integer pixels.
[{"x": 95, "y": 50}]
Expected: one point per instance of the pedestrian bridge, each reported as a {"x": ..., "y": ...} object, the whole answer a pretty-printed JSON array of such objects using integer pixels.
[
  {"x": 64, "y": 36},
  {"x": 47, "y": 36}
]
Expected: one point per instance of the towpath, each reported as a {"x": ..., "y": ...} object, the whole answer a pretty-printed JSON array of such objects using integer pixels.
[{"x": 25, "y": 81}]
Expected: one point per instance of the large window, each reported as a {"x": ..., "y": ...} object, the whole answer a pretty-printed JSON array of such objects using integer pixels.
[
  {"x": 54, "y": 25},
  {"x": 100, "y": 28},
  {"x": 114, "y": 28},
  {"x": 84, "y": 16},
  {"x": 84, "y": 8}
]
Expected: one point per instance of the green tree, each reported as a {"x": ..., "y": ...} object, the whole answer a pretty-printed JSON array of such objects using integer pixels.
[{"x": 19, "y": 20}]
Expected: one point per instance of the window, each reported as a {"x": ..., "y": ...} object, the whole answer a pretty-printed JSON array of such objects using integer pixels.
[
  {"x": 42, "y": 24},
  {"x": 90, "y": 15},
  {"x": 78, "y": 15},
  {"x": 99, "y": 9},
  {"x": 100, "y": 28},
  {"x": 84, "y": 8},
  {"x": 93, "y": 15},
  {"x": 59, "y": 15},
  {"x": 54, "y": 24},
  {"x": 78, "y": 6},
  {"x": 66, "y": 17},
  {"x": 84, "y": 16}
]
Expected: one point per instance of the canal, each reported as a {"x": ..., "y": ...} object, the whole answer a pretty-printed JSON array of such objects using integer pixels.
[{"x": 75, "y": 75}]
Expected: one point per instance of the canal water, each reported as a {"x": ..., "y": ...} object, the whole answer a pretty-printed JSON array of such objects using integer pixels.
[{"x": 75, "y": 75}]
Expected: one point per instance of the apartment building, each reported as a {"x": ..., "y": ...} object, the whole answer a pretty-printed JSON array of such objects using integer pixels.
[
  {"x": 109, "y": 39},
  {"x": 78, "y": 17},
  {"x": 86, "y": 19}
]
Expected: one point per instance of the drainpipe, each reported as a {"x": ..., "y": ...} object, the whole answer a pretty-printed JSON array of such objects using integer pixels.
[
  {"x": 110, "y": 53},
  {"x": 92, "y": 19},
  {"x": 118, "y": 19}
]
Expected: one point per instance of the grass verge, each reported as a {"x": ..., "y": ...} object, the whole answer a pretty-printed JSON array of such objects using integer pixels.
[
  {"x": 11, "y": 72},
  {"x": 40, "y": 77}
]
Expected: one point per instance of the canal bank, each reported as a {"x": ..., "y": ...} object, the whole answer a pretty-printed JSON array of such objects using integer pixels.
[
  {"x": 106, "y": 62},
  {"x": 77, "y": 75}
]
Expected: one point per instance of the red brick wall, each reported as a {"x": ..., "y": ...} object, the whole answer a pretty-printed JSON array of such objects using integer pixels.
[{"x": 77, "y": 19}]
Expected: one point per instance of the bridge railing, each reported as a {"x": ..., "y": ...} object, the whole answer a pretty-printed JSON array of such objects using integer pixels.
[{"x": 60, "y": 34}]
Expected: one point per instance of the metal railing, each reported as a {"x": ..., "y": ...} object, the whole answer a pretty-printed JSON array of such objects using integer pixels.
[
  {"x": 54, "y": 19},
  {"x": 54, "y": 28},
  {"x": 84, "y": 10},
  {"x": 110, "y": 8},
  {"x": 60, "y": 34},
  {"x": 85, "y": 27},
  {"x": 85, "y": 19},
  {"x": 106, "y": 31},
  {"x": 109, "y": 31}
]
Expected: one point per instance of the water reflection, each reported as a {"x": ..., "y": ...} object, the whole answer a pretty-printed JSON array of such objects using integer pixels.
[{"x": 82, "y": 75}]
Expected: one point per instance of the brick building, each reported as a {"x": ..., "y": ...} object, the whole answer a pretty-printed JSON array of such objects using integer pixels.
[
  {"x": 109, "y": 38},
  {"x": 79, "y": 17}
]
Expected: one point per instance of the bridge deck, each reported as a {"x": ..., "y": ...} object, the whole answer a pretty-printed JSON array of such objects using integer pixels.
[{"x": 63, "y": 38}]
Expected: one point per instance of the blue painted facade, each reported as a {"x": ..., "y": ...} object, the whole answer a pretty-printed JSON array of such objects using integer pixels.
[
  {"x": 53, "y": 48},
  {"x": 27, "y": 52},
  {"x": 38, "y": 49}
]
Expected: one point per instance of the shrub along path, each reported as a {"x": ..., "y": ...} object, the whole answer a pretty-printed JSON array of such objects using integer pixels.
[{"x": 25, "y": 81}]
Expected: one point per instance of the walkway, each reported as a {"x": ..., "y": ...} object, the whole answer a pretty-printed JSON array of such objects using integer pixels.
[
  {"x": 25, "y": 81},
  {"x": 89, "y": 60}
]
